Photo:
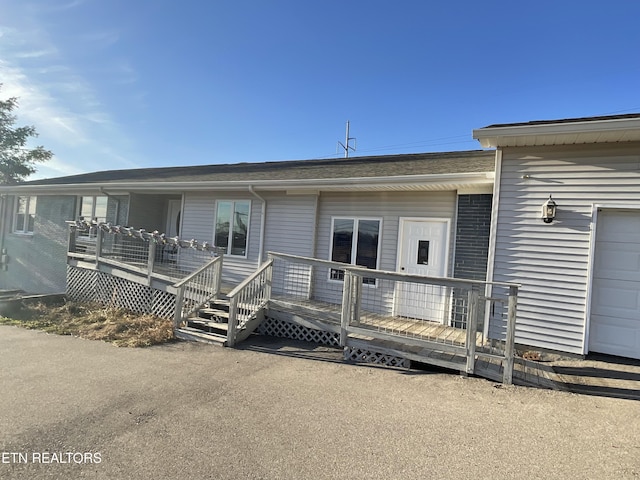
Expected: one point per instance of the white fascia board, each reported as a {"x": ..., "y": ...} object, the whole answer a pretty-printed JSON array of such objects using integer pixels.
[
  {"x": 492, "y": 137},
  {"x": 264, "y": 185}
]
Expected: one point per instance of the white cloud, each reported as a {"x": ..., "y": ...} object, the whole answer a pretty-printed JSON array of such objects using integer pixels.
[{"x": 57, "y": 98}]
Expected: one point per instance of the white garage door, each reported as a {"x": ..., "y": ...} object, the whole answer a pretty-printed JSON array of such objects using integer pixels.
[{"x": 615, "y": 308}]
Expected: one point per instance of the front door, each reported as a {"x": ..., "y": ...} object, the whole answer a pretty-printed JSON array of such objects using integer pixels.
[{"x": 423, "y": 250}]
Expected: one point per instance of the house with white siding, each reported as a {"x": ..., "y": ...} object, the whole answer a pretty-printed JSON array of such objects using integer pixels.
[
  {"x": 473, "y": 215},
  {"x": 580, "y": 272},
  {"x": 360, "y": 210}
]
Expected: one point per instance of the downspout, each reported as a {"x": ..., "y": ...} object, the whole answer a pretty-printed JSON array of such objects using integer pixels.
[
  {"x": 493, "y": 232},
  {"x": 263, "y": 216}
]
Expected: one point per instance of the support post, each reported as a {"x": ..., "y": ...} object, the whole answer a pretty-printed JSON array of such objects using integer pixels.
[
  {"x": 357, "y": 298},
  {"x": 151, "y": 258},
  {"x": 346, "y": 307},
  {"x": 509, "y": 345},
  {"x": 99, "y": 239},
  {"x": 177, "y": 316},
  {"x": 472, "y": 328},
  {"x": 233, "y": 322}
]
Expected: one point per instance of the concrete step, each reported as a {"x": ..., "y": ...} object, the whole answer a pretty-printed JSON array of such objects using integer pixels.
[{"x": 195, "y": 335}]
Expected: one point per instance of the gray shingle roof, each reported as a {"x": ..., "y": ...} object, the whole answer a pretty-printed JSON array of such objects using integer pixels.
[
  {"x": 567, "y": 120},
  {"x": 472, "y": 161}
]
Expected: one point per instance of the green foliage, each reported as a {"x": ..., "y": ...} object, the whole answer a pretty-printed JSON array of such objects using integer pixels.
[{"x": 17, "y": 161}]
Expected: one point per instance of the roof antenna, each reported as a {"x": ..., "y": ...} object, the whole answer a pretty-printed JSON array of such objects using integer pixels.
[{"x": 345, "y": 146}]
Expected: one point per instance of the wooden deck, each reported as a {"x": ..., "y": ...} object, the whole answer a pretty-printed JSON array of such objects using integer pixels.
[
  {"x": 402, "y": 327},
  {"x": 413, "y": 339}
]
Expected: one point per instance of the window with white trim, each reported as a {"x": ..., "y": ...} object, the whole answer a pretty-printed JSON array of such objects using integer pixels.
[
  {"x": 355, "y": 241},
  {"x": 93, "y": 208},
  {"x": 232, "y": 226},
  {"x": 24, "y": 218}
]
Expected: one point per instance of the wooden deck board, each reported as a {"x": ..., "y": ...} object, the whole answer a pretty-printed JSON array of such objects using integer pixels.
[{"x": 400, "y": 326}]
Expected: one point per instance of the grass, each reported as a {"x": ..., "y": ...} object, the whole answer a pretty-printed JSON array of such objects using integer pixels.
[{"x": 92, "y": 321}]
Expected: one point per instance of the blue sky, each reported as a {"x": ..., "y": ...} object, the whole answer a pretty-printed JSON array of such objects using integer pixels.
[{"x": 142, "y": 83}]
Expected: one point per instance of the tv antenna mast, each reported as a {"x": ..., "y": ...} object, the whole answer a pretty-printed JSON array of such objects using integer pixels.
[{"x": 345, "y": 146}]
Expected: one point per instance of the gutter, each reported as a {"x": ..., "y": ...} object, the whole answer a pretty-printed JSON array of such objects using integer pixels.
[{"x": 263, "y": 216}]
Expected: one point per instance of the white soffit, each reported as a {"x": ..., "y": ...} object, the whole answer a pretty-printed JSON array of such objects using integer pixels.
[{"x": 560, "y": 133}]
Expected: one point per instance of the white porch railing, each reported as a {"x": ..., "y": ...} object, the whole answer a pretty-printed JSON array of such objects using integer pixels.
[
  {"x": 134, "y": 268},
  {"x": 443, "y": 314},
  {"x": 197, "y": 289},
  {"x": 247, "y": 300}
]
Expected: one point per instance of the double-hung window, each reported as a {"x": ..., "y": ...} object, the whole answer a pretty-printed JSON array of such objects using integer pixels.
[
  {"x": 232, "y": 226},
  {"x": 93, "y": 208},
  {"x": 355, "y": 241},
  {"x": 24, "y": 218}
]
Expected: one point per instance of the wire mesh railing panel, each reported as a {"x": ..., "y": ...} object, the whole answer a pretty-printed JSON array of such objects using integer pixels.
[
  {"x": 292, "y": 280},
  {"x": 84, "y": 240},
  {"x": 412, "y": 310},
  {"x": 126, "y": 249},
  {"x": 327, "y": 284},
  {"x": 177, "y": 262},
  {"x": 495, "y": 311}
]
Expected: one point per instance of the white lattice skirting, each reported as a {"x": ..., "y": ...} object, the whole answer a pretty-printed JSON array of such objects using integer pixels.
[
  {"x": 278, "y": 328},
  {"x": 93, "y": 286},
  {"x": 360, "y": 355}
]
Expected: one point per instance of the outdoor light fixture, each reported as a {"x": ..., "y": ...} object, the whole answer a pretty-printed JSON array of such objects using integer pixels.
[{"x": 549, "y": 210}]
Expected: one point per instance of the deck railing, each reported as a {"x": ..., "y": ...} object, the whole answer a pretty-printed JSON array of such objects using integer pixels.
[
  {"x": 248, "y": 299},
  {"x": 187, "y": 273},
  {"x": 197, "y": 289},
  {"x": 143, "y": 252},
  {"x": 463, "y": 317}
]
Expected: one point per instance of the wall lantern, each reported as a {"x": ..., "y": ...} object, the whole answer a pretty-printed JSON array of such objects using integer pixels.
[{"x": 549, "y": 210}]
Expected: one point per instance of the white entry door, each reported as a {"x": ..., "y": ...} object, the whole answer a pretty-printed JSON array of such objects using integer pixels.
[
  {"x": 615, "y": 297},
  {"x": 423, "y": 250}
]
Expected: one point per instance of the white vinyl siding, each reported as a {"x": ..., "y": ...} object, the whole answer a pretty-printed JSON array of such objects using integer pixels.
[
  {"x": 389, "y": 207},
  {"x": 551, "y": 261},
  {"x": 291, "y": 224},
  {"x": 198, "y": 223}
]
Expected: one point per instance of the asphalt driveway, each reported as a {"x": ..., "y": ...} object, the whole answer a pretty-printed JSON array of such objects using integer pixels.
[{"x": 73, "y": 408}]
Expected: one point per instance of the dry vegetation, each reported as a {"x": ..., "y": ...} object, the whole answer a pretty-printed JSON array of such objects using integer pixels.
[{"x": 91, "y": 320}]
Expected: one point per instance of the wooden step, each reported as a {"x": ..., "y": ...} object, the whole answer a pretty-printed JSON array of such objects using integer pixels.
[
  {"x": 208, "y": 326},
  {"x": 214, "y": 314},
  {"x": 220, "y": 304},
  {"x": 195, "y": 335}
]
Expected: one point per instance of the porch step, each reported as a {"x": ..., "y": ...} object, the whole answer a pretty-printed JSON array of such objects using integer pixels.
[
  {"x": 208, "y": 326},
  {"x": 195, "y": 335},
  {"x": 214, "y": 314}
]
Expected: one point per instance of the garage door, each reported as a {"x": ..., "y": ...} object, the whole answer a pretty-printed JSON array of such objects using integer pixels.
[{"x": 615, "y": 308}]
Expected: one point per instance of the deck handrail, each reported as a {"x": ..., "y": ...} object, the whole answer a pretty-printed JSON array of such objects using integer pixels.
[
  {"x": 385, "y": 274},
  {"x": 197, "y": 272},
  {"x": 248, "y": 298},
  {"x": 197, "y": 289},
  {"x": 351, "y": 299}
]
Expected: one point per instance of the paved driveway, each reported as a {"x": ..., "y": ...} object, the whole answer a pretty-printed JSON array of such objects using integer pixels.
[{"x": 286, "y": 410}]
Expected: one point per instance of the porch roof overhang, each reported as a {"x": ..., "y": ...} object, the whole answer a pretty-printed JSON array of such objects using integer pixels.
[
  {"x": 428, "y": 182},
  {"x": 611, "y": 129}
]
